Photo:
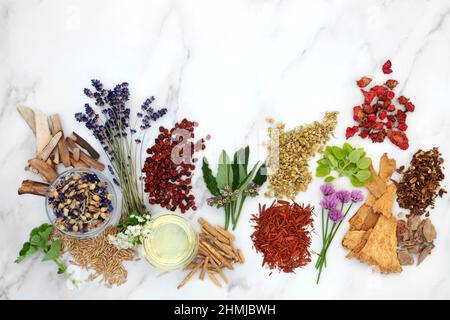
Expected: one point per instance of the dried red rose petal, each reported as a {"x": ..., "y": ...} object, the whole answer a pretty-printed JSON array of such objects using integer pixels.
[
  {"x": 382, "y": 115},
  {"x": 351, "y": 131},
  {"x": 410, "y": 107},
  {"x": 391, "y": 83},
  {"x": 387, "y": 67},
  {"x": 363, "y": 82},
  {"x": 398, "y": 138}
]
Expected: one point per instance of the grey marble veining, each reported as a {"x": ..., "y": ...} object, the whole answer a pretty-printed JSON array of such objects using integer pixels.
[{"x": 228, "y": 65}]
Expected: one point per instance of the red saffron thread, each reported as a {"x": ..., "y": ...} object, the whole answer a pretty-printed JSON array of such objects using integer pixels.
[{"x": 283, "y": 234}]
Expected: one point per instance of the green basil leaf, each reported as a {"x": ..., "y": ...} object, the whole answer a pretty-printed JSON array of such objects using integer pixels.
[
  {"x": 347, "y": 148},
  {"x": 53, "y": 252},
  {"x": 338, "y": 153},
  {"x": 364, "y": 163},
  {"x": 322, "y": 171},
  {"x": 210, "y": 180},
  {"x": 363, "y": 175},
  {"x": 224, "y": 171},
  {"x": 332, "y": 160},
  {"x": 323, "y": 162},
  {"x": 355, "y": 155},
  {"x": 329, "y": 179},
  {"x": 261, "y": 175},
  {"x": 355, "y": 182}
]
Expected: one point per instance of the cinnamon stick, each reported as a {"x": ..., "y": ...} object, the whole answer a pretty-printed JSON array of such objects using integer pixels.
[{"x": 33, "y": 187}]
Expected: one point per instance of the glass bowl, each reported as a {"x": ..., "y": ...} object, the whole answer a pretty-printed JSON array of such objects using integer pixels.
[
  {"x": 170, "y": 242},
  {"x": 96, "y": 231}
]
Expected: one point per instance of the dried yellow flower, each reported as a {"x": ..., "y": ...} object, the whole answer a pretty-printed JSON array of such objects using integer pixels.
[{"x": 290, "y": 151}]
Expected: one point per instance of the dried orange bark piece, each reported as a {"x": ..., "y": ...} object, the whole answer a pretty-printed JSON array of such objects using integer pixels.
[
  {"x": 385, "y": 203},
  {"x": 387, "y": 167},
  {"x": 352, "y": 239},
  {"x": 376, "y": 186},
  {"x": 380, "y": 250}
]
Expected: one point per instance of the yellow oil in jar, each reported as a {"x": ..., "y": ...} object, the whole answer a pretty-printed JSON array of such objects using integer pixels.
[{"x": 171, "y": 242}]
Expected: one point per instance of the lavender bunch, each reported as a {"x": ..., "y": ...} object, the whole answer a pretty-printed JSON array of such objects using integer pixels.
[
  {"x": 120, "y": 140},
  {"x": 333, "y": 203}
]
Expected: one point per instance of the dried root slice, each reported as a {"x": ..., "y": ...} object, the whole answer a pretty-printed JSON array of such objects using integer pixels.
[
  {"x": 43, "y": 134},
  {"x": 84, "y": 157},
  {"x": 215, "y": 253},
  {"x": 63, "y": 151},
  {"x": 85, "y": 145},
  {"x": 33, "y": 187},
  {"x": 47, "y": 171},
  {"x": 28, "y": 115}
]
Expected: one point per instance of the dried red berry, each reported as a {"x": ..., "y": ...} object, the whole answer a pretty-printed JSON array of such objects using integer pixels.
[
  {"x": 363, "y": 82},
  {"x": 391, "y": 108},
  {"x": 387, "y": 67},
  {"x": 391, "y": 84},
  {"x": 372, "y": 118},
  {"x": 389, "y": 124},
  {"x": 402, "y": 127}
]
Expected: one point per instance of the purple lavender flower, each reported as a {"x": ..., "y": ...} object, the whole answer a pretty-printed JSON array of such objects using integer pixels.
[
  {"x": 343, "y": 196},
  {"x": 329, "y": 202},
  {"x": 336, "y": 215},
  {"x": 356, "y": 196},
  {"x": 327, "y": 189}
]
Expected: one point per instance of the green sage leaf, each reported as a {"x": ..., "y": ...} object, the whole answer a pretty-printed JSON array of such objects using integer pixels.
[
  {"x": 224, "y": 171},
  {"x": 261, "y": 175},
  {"x": 329, "y": 179},
  {"x": 210, "y": 180}
]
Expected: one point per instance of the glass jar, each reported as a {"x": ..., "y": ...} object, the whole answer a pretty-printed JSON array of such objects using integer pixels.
[
  {"x": 169, "y": 242},
  {"x": 96, "y": 231}
]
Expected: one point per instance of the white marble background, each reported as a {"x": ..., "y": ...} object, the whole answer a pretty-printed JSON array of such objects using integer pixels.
[{"x": 229, "y": 65}]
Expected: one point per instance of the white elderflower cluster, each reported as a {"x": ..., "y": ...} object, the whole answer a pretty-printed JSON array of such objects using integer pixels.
[{"x": 132, "y": 234}]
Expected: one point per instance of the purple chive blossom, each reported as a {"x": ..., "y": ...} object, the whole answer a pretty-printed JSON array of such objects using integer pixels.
[
  {"x": 329, "y": 202},
  {"x": 336, "y": 215},
  {"x": 356, "y": 196},
  {"x": 343, "y": 196},
  {"x": 327, "y": 189}
]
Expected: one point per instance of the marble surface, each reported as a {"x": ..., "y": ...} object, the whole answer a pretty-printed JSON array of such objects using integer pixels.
[{"x": 228, "y": 65}]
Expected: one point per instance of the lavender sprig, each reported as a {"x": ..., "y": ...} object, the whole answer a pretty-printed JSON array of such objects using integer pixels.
[{"x": 110, "y": 125}]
